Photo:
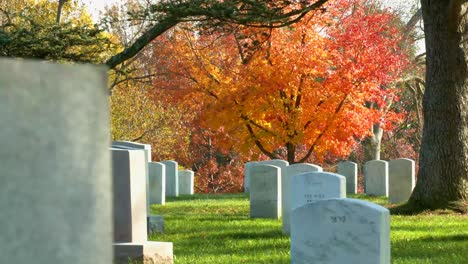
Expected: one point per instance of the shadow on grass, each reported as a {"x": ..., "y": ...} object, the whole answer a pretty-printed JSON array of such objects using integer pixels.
[
  {"x": 231, "y": 196},
  {"x": 223, "y": 244},
  {"x": 273, "y": 234},
  {"x": 452, "y": 238},
  {"x": 442, "y": 249},
  {"x": 415, "y": 209}
]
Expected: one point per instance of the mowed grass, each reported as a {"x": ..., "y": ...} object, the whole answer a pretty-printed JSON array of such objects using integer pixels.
[{"x": 217, "y": 229}]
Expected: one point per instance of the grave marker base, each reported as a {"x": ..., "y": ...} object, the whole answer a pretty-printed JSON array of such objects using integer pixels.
[{"x": 148, "y": 252}]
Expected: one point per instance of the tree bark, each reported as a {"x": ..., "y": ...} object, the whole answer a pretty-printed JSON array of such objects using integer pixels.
[
  {"x": 291, "y": 150},
  {"x": 372, "y": 144},
  {"x": 161, "y": 27},
  {"x": 443, "y": 171},
  {"x": 59, "y": 10}
]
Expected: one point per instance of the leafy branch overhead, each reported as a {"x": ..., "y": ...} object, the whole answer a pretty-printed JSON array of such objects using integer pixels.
[
  {"x": 33, "y": 32},
  {"x": 215, "y": 14}
]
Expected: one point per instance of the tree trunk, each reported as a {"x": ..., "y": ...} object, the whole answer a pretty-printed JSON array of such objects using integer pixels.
[
  {"x": 291, "y": 151},
  {"x": 373, "y": 144},
  {"x": 59, "y": 10},
  {"x": 443, "y": 164}
]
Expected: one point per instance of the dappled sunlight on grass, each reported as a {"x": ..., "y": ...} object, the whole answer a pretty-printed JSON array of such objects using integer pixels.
[{"x": 217, "y": 229}]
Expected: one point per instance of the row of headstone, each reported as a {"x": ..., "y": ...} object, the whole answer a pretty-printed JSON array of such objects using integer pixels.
[
  {"x": 271, "y": 190},
  {"x": 395, "y": 179},
  {"x": 138, "y": 181},
  {"x": 169, "y": 181},
  {"x": 325, "y": 226},
  {"x": 328, "y": 228},
  {"x": 163, "y": 178}
]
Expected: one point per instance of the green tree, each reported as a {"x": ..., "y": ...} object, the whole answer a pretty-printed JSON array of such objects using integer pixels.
[{"x": 29, "y": 29}]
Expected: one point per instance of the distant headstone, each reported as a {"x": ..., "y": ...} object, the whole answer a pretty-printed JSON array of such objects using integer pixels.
[
  {"x": 275, "y": 162},
  {"x": 350, "y": 171},
  {"x": 186, "y": 182},
  {"x": 247, "y": 167},
  {"x": 310, "y": 187},
  {"x": 340, "y": 231},
  {"x": 172, "y": 178},
  {"x": 286, "y": 191},
  {"x": 247, "y": 177},
  {"x": 157, "y": 183},
  {"x": 401, "y": 180},
  {"x": 265, "y": 192},
  {"x": 55, "y": 189},
  {"x": 376, "y": 177},
  {"x": 155, "y": 224},
  {"x": 130, "y": 223}
]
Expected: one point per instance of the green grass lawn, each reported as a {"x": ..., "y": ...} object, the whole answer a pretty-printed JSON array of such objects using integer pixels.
[{"x": 217, "y": 229}]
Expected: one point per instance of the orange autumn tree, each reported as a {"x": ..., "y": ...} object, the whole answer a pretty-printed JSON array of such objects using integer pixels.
[{"x": 304, "y": 89}]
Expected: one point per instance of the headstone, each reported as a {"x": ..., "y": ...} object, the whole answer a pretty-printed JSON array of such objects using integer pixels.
[
  {"x": 134, "y": 145},
  {"x": 157, "y": 183},
  {"x": 289, "y": 172},
  {"x": 145, "y": 173},
  {"x": 401, "y": 180},
  {"x": 55, "y": 190},
  {"x": 376, "y": 177},
  {"x": 350, "y": 171},
  {"x": 130, "y": 223},
  {"x": 275, "y": 162},
  {"x": 130, "y": 218},
  {"x": 249, "y": 165},
  {"x": 186, "y": 182},
  {"x": 155, "y": 224},
  {"x": 247, "y": 176},
  {"x": 265, "y": 192},
  {"x": 310, "y": 187},
  {"x": 172, "y": 178},
  {"x": 340, "y": 231}
]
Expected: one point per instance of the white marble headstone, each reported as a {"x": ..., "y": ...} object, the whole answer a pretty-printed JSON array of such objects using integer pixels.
[
  {"x": 130, "y": 218},
  {"x": 310, "y": 187},
  {"x": 376, "y": 177},
  {"x": 247, "y": 167},
  {"x": 350, "y": 171},
  {"x": 337, "y": 231},
  {"x": 147, "y": 149},
  {"x": 172, "y": 178},
  {"x": 55, "y": 171},
  {"x": 274, "y": 162},
  {"x": 401, "y": 180},
  {"x": 134, "y": 145},
  {"x": 265, "y": 192},
  {"x": 186, "y": 178},
  {"x": 287, "y": 173},
  {"x": 157, "y": 183}
]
